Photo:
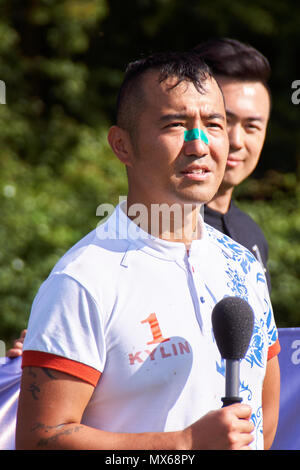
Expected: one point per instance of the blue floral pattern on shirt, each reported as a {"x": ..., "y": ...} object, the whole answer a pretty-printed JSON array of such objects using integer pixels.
[
  {"x": 233, "y": 250},
  {"x": 256, "y": 347},
  {"x": 239, "y": 265},
  {"x": 257, "y": 419},
  {"x": 236, "y": 283}
]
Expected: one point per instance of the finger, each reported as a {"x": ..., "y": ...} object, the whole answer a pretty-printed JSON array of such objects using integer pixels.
[
  {"x": 242, "y": 411},
  {"x": 14, "y": 352},
  {"x": 241, "y": 441},
  {"x": 245, "y": 426},
  {"x": 23, "y": 334},
  {"x": 248, "y": 439}
]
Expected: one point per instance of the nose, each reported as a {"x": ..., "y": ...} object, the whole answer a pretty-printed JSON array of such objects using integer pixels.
[
  {"x": 196, "y": 148},
  {"x": 236, "y": 137}
]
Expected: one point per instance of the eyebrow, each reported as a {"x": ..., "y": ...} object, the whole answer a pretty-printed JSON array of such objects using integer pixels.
[
  {"x": 169, "y": 117},
  {"x": 215, "y": 116},
  {"x": 249, "y": 118},
  {"x": 179, "y": 116}
]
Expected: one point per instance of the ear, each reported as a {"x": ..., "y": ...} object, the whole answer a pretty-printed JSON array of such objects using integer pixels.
[{"x": 120, "y": 143}]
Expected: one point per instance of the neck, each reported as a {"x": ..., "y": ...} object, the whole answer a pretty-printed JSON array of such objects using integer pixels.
[
  {"x": 171, "y": 222},
  {"x": 221, "y": 201}
]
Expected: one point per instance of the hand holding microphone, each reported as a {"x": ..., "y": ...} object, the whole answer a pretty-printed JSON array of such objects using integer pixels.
[{"x": 229, "y": 427}]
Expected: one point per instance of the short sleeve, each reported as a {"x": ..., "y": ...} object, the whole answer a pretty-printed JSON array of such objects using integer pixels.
[
  {"x": 65, "y": 330},
  {"x": 269, "y": 320}
]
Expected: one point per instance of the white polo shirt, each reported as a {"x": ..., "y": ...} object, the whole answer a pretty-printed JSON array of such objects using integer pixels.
[{"x": 131, "y": 314}]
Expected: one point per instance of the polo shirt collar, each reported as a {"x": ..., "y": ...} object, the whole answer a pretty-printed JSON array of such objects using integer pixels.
[{"x": 165, "y": 249}]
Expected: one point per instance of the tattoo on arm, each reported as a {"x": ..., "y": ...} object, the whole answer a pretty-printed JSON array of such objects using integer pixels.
[
  {"x": 45, "y": 427},
  {"x": 47, "y": 435},
  {"x": 31, "y": 372},
  {"x": 43, "y": 442},
  {"x": 34, "y": 389},
  {"x": 49, "y": 373}
]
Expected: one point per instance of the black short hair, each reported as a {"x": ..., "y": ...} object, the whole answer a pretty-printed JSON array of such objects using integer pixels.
[
  {"x": 234, "y": 59},
  {"x": 185, "y": 66}
]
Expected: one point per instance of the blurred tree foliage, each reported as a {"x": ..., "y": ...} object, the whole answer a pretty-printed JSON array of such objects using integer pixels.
[{"x": 62, "y": 62}]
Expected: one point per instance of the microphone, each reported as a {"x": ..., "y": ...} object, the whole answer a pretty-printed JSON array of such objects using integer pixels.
[{"x": 233, "y": 322}]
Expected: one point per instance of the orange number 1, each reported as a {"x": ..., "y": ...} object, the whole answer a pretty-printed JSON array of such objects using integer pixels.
[{"x": 155, "y": 329}]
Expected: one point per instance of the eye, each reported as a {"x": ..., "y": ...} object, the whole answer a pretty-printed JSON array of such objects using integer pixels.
[
  {"x": 214, "y": 125},
  {"x": 175, "y": 124},
  {"x": 252, "y": 127}
]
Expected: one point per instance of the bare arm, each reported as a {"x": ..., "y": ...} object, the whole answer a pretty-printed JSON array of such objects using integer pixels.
[
  {"x": 51, "y": 406},
  {"x": 270, "y": 401},
  {"x": 52, "y": 403}
]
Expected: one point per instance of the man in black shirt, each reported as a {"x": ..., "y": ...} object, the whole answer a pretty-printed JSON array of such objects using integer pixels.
[{"x": 242, "y": 73}]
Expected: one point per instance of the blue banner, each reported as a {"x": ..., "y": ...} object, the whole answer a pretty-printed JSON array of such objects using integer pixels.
[
  {"x": 10, "y": 377},
  {"x": 288, "y": 431}
]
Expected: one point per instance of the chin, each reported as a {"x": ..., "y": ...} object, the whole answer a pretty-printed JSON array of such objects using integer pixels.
[
  {"x": 197, "y": 199},
  {"x": 233, "y": 180}
]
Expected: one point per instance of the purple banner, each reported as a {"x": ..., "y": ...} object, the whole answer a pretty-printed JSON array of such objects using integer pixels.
[
  {"x": 288, "y": 431},
  {"x": 10, "y": 376}
]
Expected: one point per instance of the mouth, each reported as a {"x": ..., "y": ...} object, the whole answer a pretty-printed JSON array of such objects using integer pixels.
[
  {"x": 196, "y": 173},
  {"x": 233, "y": 162}
]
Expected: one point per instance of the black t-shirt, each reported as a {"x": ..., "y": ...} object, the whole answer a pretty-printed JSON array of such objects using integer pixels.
[{"x": 241, "y": 227}]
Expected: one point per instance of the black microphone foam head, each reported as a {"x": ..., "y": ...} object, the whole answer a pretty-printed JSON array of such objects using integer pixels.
[{"x": 232, "y": 321}]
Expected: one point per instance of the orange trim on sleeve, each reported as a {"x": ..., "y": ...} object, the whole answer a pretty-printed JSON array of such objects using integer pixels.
[
  {"x": 62, "y": 364},
  {"x": 274, "y": 350}
]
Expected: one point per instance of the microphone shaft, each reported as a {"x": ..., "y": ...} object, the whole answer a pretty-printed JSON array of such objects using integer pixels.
[{"x": 232, "y": 382}]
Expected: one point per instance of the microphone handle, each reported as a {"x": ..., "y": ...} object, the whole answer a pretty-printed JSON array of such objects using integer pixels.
[{"x": 232, "y": 382}]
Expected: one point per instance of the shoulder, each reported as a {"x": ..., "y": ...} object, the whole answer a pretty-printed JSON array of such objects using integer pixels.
[
  {"x": 227, "y": 244},
  {"x": 244, "y": 277},
  {"x": 244, "y": 220},
  {"x": 235, "y": 256},
  {"x": 93, "y": 259}
]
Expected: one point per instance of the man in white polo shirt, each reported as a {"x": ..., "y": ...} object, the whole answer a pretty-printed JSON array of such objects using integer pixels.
[{"x": 119, "y": 352}]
